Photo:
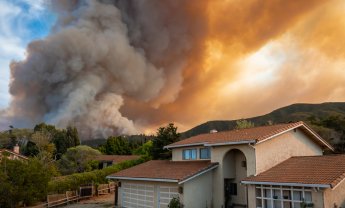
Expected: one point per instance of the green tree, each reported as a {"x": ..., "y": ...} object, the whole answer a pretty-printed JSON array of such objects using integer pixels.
[
  {"x": 22, "y": 182},
  {"x": 78, "y": 159},
  {"x": 165, "y": 136},
  {"x": 243, "y": 124},
  {"x": 144, "y": 150},
  {"x": 116, "y": 146}
]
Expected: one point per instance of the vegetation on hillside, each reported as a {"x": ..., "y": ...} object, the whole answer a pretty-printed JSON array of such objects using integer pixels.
[{"x": 326, "y": 119}]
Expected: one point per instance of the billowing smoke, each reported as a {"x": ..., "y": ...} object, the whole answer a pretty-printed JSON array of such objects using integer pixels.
[
  {"x": 124, "y": 66},
  {"x": 98, "y": 53}
]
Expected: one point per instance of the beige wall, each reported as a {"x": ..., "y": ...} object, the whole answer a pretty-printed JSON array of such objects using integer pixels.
[
  {"x": 217, "y": 155},
  {"x": 280, "y": 148},
  {"x": 177, "y": 153},
  {"x": 197, "y": 192},
  {"x": 335, "y": 196}
]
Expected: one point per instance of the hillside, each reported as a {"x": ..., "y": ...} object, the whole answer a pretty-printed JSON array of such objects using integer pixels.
[{"x": 328, "y": 119}]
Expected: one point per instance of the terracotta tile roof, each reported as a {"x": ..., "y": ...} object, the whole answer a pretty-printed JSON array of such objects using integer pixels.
[
  {"x": 325, "y": 170},
  {"x": 117, "y": 158},
  {"x": 256, "y": 134},
  {"x": 164, "y": 169},
  {"x": 13, "y": 153}
]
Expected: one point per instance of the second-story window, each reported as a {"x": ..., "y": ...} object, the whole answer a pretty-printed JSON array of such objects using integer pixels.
[
  {"x": 189, "y": 154},
  {"x": 205, "y": 153}
]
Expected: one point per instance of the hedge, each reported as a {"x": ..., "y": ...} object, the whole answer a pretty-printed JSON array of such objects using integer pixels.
[{"x": 74, "y": 181}]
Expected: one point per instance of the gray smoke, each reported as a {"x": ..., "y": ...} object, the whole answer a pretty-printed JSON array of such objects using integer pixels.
[{"x": 98, "y": 54}]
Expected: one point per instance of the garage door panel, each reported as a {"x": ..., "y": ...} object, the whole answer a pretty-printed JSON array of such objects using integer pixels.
[
  {"x": 166, "y": 193},
  {"x": 137, "y": 195}
]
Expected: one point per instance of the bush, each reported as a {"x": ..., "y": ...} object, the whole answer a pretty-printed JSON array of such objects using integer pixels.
[
  {"x": 74, "y": 181},
  {"x": 175, "y": 203}
]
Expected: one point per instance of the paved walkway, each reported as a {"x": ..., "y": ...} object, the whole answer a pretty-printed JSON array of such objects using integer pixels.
[{"x": 105, "y": 201}]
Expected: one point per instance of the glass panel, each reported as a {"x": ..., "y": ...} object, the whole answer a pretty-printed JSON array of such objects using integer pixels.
[
  {"x": 267, "y": 193},
  {"x": 268, "y": 203},
  {"x": 193, "y": 156},
  {"x": 277, "y": 194},
  {"x": 186, "y": 154},
  {"x": 277, "y": 204},
  {"x": 205, "y": 153},
  {"x": 286, "y": 194},
  {"x": 258, "y": 203},
  {"x": 287, "y": 204},
  {"x": 297, "y": 195},
  {"x": 297, "y": 205},
  {"x": 258, "y": 192},
  {"x": 307, "y": 196}
]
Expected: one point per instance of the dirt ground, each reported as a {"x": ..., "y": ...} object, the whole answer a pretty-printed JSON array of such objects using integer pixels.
[{"x": 105, "y": 201}]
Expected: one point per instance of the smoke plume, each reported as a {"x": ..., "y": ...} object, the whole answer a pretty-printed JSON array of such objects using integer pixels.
[{"x": 125, "y": 66}]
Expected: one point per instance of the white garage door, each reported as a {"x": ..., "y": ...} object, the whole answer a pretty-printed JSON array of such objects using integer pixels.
[
  {"x": 166, "y": 193},
  {"x": 137, "y": 195}
]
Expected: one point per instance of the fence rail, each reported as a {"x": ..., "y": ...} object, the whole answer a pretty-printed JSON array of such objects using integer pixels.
[{"x": 55, "y": 200}]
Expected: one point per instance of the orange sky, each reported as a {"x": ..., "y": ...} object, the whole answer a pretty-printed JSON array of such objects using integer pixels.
[{"x": 254, "y": 57}]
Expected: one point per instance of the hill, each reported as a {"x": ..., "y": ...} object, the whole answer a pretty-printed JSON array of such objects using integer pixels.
[{"x": 328, "y": 119}]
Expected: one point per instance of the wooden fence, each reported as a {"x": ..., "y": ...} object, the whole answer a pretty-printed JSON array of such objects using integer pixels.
[{"x": 87, "y": 191}]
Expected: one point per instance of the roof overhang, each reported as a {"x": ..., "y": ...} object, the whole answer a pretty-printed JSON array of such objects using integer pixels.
[
  {"x": 206, "y": 144},
  {"x": 198, "y": 174},
  {"x": 286, "y": 184},
  {"x": 164, "y": 179},
  {"x": 143, "y": 179}
]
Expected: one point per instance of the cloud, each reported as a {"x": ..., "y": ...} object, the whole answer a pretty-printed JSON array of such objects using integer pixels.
[{"x": 20, "y": 22}]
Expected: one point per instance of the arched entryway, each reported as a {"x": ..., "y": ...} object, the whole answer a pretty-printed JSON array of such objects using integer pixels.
[{"x": 234, "y": 170}]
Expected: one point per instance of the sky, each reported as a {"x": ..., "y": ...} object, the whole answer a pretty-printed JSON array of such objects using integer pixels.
[
  {"x": 21, "y": 21},
  {"x": 152, "y": 62}
]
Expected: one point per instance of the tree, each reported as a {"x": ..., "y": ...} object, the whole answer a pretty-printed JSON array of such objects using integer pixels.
[
  {"x": 78, "y": 159},
  {"x": 116, "y": 146},
  {"x": 243, "y": 124},
  {"x": 144, "y": 150},
  {"x": 165, "y": 136},
  {"x": 22, "y": 182}
]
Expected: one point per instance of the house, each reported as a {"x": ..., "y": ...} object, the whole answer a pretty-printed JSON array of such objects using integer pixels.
[
  {"x": 12, "y": 155},
  {"x": 108, "y": 160},
  {"x": 270, "y": 166}
]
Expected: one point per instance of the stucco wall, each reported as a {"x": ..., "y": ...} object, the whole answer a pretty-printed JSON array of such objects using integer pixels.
[
  {"x": 217, "y": 155},
  {"x": 335, "y": 196},
  {"x": 198, "y": 191},
  {"x": 177, "y": 153},
  {"x": 280, "y": 148}
]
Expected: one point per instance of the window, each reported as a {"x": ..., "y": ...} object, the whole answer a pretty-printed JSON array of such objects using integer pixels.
[
  {"x": 189, "y": 154},
  {"x": 205, "y": 153},
  {"x": 282, "y": 196}
]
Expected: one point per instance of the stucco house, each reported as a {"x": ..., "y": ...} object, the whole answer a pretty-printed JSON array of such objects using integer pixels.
[
  {"x": 12, "y": 155},
  {"x": 270, "y": 166}
]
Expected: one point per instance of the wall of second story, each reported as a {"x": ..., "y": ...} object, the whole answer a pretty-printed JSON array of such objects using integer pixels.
[
  {"x": 282, "y": 147},
  {"x": 191, "y": 153}
]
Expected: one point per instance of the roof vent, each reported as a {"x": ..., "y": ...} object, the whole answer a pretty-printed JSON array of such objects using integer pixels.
[{"x": 213, "y": 131}]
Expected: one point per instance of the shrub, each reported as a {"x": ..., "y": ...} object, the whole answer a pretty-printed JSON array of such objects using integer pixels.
[
  {"x": 175, "y": 203},
  {"x": 74, "y": 181}
]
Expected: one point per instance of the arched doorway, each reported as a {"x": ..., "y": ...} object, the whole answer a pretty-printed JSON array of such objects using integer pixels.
[{"x": 234, "y": 170}]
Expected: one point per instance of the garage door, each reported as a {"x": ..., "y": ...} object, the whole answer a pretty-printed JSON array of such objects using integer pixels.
[
  {"x": 137, "y": 195},
  {"x": 166, "y": 193}
]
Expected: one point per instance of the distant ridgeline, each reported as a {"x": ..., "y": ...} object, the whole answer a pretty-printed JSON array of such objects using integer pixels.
[{"x": 327, "y": 119}]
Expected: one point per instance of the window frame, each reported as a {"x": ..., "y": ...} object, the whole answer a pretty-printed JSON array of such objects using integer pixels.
[
  {"x": 260, "y": 197},
  {"x": 208, "y": 153},
  {"x": 190, "y": 154}
]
